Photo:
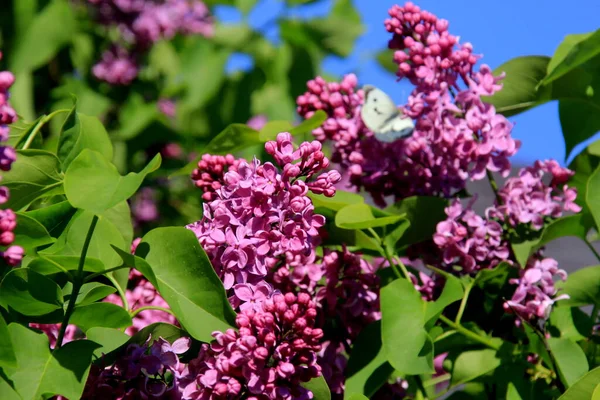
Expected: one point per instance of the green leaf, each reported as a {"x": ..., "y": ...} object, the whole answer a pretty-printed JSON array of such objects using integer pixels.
[
  {"x": 520, "y": 86},
  {"x": 181, "y": 272},
  {"x": 592, "y": 197},
  {"x": 574, "y": 51},
  {"x": 579, "y": 120},
  {"x": 233, "y": 138},
  {"x": 571, "y": 360},
  {"x": 51, "y": 264},
  {"x": 576, "y": 225},
  {"x": 7, "y": 351},
  {"x": 571, "y": 322},
  {"x": 407, "y": 345},
  {"x": 310, "y": 124},
  {"x": 20, "y": 131},
  {"x": 472, "y": 364},
  {"x": 36, "y": 173},
  {"x": 452, "y": 292},
  {"x": 584, "y": 387},
  {"x": 30, "y": 234},
  {"x": 110, "y": 339},
  {"x": 385, "y": 58},
  {"x": 106, "y": 315},
  {"x": 424, "y": 213},
  {"x": 596, "y": 394},
  {"x": 367, "y": 368},
  {"x": 583, "y": 287},
  {"x": 44, "y": 37},
  {"x": 319, "y": 388},
  {"x": 106, "y": 234},
  {"x": 155, "y": 331},
  {"x": 81, "y": 132},
  {"x": 54, "y": 218},
  {"x": 337, "y": 202},
  {"x": 92, "y": 183},
  {"x": 392, "y": 237},
  {"x": 41, "y": 372},
  {"x": 92, "y": 292},
  {"x": 30, "y": 293},
  {"x": 357, "y": 396},
  {"x": 272, "y": 128},
  {"x": 360, "y": 216}
]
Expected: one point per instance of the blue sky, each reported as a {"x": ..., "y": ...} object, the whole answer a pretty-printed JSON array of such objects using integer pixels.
[{"x": 498, "y": 30}]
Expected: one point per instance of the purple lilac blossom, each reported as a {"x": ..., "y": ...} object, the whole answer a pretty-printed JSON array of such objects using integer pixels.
[
  {"x": 273, "y": 352},
  {"x": 11, "y": 254},
  {"x": 457, "y": 136},
  {"x": 148, "y": 371},
  {"x": 261, "y": 221},
  {"x": 142, "y": 23}
]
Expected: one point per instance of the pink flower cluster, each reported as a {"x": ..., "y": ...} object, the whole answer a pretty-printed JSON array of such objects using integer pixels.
[
  {"x": 143, "y": 206},
  {"x": 457, "y": 136},
  {"x": 340, "y": 101},
  {"x": 140, "y": 294},
  {"x": 12, "y": 255},
  {"x": 273, "y": 352},
  {"x": 527, "y": 199},
  {"x": 534, "y": 296},
  {"x": 350, "y": 293},
  {"x": 263, "y": 221},
  {"x": 468, "y": 242},
  {"x": 142, "y": 23},
  {"x": 209, "y": 176},
  {"x": 149, "y": 371}
]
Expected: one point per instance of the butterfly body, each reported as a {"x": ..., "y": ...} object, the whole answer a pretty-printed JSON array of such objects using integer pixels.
[{"x": 382, "y": 117}]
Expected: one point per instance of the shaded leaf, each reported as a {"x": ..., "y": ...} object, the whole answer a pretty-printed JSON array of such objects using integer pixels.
[
  {"x": 368, "y": 368},
  {"x": 30, "y": 293},
  {"x": 34, "y": 174},
  {"x": 41, "y": 372},
  {"x": 108, "y": 338},
  {"x": 570, "y": 359},
  {"x": 30, "y": 234},
  {"x": 54, "y": 217},
  {"x": 53, "y": 264},
  {"x": 584, "y": 387},
  {"x": 472, "y": 364},
  {"x": 7, "y": 351}
]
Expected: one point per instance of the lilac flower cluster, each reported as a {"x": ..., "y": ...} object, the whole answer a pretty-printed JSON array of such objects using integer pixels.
[
  {"x": 263, "y": 223},
  {"x": 12, "y": 255},
  {"x": 143, "y": 206},
  {"x": 457, "y": 136},
  {"x": 527, "y": 200},
  {"x": 273, "y": 352},
  {"x": 148, "y": 371},
  {"x": 467, "y": 242},
  {"x": 142, "y": 23},
  {"x": 341, "y": 102},
  {"x": 142, "y": 293},
  {"x": 536, "y": 293},
  {"x": 210, "y": 173}
]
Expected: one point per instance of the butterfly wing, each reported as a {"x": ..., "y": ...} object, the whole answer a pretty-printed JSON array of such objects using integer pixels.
[
  {"x": 398, "y": 128},
  {"x": 378, "y": 109}
]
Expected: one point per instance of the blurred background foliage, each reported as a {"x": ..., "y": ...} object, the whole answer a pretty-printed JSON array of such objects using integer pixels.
[{"x": 52, "y": 45}]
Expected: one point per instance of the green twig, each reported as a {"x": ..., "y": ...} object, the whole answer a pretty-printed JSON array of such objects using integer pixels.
[
  {"x": 437, "y": 379},
  {"x": 78, "y": 282},
  {"x": 39, "y": 126},
  {"x": 384, "y": 253},
  {"x": 139, "y": 310},
  {"x": 494, "y": 185},
  {"x": 593, "y": 250},
  {"x": 470, "y": 334},
  {"x": 463, "y": 303}
]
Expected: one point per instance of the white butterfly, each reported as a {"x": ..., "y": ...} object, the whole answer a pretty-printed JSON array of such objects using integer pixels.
[{"x": 382, "y": 117}]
